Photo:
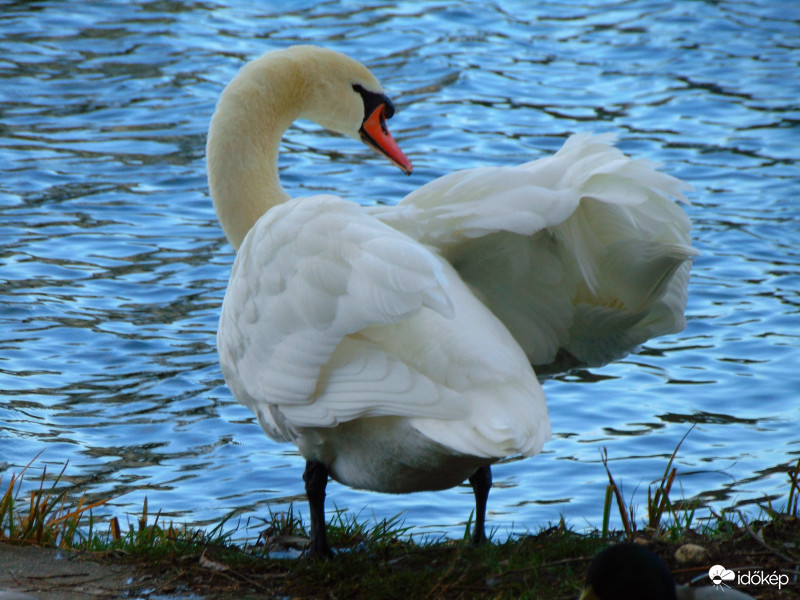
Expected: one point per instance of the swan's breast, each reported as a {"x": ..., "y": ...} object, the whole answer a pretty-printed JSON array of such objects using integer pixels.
[{"x": 386, "y": 454}]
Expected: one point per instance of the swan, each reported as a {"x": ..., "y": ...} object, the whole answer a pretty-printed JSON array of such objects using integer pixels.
[
  {"x": 393, "y": 344},
  {"x": 343, "y": 335}
]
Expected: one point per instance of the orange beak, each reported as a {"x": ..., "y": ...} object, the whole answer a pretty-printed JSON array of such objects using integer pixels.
[{"x": 374, "y": 133}]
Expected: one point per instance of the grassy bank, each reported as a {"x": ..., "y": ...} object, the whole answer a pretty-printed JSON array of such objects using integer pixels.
[{"x": 382, "y": 560}]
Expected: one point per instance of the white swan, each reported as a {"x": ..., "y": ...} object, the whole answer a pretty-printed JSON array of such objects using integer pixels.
[
  {"x": 347, "y": 332},
  {"x": 342, "y": 334}
]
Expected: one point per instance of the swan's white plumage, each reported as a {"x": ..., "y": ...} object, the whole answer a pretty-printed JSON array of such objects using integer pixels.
[
  {"x": 584, "y": 251},
  {"x": 394, "y": 344},
  {"x": 331, "y": 316}
]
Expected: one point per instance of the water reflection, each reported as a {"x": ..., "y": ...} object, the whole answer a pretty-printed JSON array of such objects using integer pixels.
[{"x": 113, "y": 266}]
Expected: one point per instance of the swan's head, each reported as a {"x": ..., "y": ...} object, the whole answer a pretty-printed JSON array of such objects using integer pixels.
[
  {"x": 344, "y": 96},
  {"x": 262, "y": 101}
]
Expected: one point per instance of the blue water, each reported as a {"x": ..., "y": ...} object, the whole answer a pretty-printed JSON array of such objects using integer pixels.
[{"x": 113, "y": 266}]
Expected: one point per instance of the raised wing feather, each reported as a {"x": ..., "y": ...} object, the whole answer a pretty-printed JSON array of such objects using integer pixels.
[{"x": 583, "y": 252}]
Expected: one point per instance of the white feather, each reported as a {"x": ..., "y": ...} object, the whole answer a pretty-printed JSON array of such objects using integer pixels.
[{"x": 331, "y": 316}]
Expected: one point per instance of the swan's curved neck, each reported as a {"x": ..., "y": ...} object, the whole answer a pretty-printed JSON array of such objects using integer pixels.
[{"x": 254, "y": 111}]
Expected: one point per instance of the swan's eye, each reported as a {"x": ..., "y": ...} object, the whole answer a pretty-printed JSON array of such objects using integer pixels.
[
  {"x": 373, "y": 100},
  {"x": 389, "y": 107}
]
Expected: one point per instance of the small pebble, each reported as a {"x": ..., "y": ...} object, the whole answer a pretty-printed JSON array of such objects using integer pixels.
[{"x": 691, "y": 554}]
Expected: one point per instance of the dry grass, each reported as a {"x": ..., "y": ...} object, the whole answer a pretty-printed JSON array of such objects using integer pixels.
[{"x": 47, "y": 518}]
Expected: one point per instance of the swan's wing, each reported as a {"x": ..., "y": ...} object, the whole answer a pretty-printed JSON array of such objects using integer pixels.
[
  {"x": 309, "y": 274},
  {"x": 583, "y": 253}
]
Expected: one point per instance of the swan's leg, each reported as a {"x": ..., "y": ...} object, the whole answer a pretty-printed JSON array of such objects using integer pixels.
[
  {"x": 481, "y": 482},
  {"x": 316, "y": 478}
]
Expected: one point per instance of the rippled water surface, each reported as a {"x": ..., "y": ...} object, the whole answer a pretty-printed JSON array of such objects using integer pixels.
[{"x": 113, "y": 265}]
